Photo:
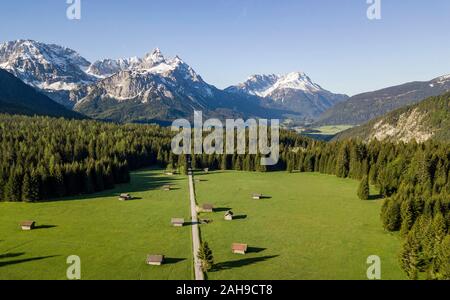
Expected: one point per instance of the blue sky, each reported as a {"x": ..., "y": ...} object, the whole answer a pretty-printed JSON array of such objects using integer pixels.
[{"x": 225, "y": 41}]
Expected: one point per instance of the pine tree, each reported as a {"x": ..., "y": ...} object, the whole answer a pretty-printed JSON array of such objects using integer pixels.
[
  {"x": 442, "y": 261},
  {"x": 224, "y": 162},
  {"x": 364, "y": 189},
  {"x": 205, "y": 256},
  {"x": 407, "y": 216},
  {"x": 59, "y": 185},
  {"x": 108, "y": 178},
  {"x": 409, "y": 257},
  {"x": 26, "y": 189},
  {"x": 439, "y": 230},
  {"x": 390, "y": 215},
  {"x": 2, "y": 187},
  {"x": 34, "y": 194},
  {"x": 342, "y": 164},
  {"x": 13, "y": 188}
]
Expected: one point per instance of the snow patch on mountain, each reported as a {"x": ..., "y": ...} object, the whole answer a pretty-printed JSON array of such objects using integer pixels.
[{"x": 45, "y": 66}]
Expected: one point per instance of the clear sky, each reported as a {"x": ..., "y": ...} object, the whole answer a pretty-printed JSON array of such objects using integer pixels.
[{"x": 226, "y": 41}]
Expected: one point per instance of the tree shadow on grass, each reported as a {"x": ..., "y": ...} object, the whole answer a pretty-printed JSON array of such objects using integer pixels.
[
  {"x": 255, "y": 249},
  {"x": 222, "y": 209},
  {"x": 172, "y": 260},
  {"x": 241, "y": 263},
  {"x": 240, "y": 217},
  {"x": 141, "y": 181},
  {"x": 11, "y": 255},
  {"x": 20, "y": 261},
  {"x": 375, "y": 197},
  {"x": 44, "y": 227}
]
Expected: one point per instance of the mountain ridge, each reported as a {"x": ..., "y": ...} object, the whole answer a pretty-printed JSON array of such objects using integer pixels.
[
  {"x": 420, "y": 122},
  {"x": 16, "y": 97},
  {"x": 364, "y": 107},
  {"x": 293, "y": 91}
]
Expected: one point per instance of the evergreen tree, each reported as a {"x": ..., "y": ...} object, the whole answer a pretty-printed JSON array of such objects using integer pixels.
[
  {"x": 407, "y": 216},
  {"x": 364, "y": 189},
  {"x": 13, "y": 188},
  {"x": 224, "y": 162},
  {"x": 442, "y": 262},
  {"x": 26, "y": 189},
  {"x": 205, "y": 256},
  {"x": 342, "y": 164},
  {"x": 390, "y": 215},
  {"x": 409, "y": 257}
]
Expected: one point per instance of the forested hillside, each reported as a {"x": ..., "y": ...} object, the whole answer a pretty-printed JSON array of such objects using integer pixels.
[
  {"x": 18, "y": 98},
  {"x": 362, "y": 108},
  {"x": 420, "y": 122},
  {"x": 43, "y": 158}
]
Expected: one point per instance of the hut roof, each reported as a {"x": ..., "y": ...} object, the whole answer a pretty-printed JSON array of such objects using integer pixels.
[
  {"x": 177, "y": 221},
  {"x": 27, "y": 223},
  {"x": 207, "y": 206},
  {"x": 155, "y": 258},
  {"x": 239, "y": 247}
]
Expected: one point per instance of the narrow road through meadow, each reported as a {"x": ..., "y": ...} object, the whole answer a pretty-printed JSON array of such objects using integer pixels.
[{"x": 195, "y": 228}]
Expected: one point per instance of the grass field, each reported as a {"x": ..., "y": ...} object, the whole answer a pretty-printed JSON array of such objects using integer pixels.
[
  {"x": 312, "y": 227},
  {"x": 332, "y": 129},
  {"x": 112, "y": 238}
]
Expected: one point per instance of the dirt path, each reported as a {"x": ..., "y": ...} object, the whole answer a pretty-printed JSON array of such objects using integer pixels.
[{"x": 195, "y": 229}]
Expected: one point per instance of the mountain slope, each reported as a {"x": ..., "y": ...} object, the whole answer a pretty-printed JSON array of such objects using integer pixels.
[
  {"x": 429, "y": 119},
  {"x": 18, "y": 98},
  {"x": 53, "y": 69},
  {"x": 295, "y": 92},
  {"x": 156, "y": 88},
  {"x": 364, "y": 107}
]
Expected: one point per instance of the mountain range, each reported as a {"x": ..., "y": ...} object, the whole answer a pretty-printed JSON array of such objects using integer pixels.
[
  {"x": 367, "y": 106},
  {"x": 428, "y": 119},
  {"x": 295, "y": 92},
  {"x": 18, "y": 98},
  {"x": 156, "y": 88}
]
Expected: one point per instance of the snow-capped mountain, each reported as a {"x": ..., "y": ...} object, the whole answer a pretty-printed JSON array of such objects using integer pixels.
[
  {"x": 294, "y": 91},
  {"x": 155, "y": 88},
  {"x": 107, "y": 67},
  {"x": 53, "y": 69}
]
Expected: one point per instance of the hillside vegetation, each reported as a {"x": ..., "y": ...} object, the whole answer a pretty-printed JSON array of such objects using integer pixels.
[{"x": 429, "y": 119}]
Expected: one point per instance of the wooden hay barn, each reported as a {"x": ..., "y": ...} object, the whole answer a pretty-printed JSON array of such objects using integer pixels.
[
  {"x": 28, "y": 225},
  {"x": 125, "y": 197},
  {"x": 155, "y": 260},
  {"x": 257, "y": 196},
  {"x": 229, "y": 216},
  {"x": 177, "y": 222},
  {"x": 239, "y": 248},
  {"x": 207, "y": 208}
]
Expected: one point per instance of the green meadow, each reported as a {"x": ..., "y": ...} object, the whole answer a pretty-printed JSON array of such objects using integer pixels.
[
  {"x": 111, "y": 237},
  {"x": 310, "y": 226}
]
